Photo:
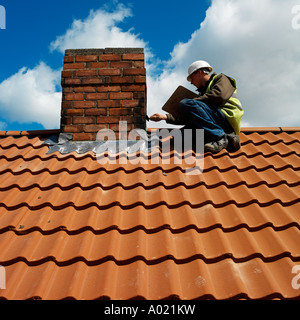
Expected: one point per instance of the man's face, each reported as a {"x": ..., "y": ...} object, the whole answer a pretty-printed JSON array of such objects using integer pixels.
[{"x": 198, "y": 79}]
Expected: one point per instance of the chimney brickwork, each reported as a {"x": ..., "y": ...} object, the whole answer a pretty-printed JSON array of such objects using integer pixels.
[{"x": 101, "y": 87}]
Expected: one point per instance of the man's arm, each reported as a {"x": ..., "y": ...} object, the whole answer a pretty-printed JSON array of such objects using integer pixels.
[
  {"x": 169, "y": 118},
  {"x": 158, "y": 117}
]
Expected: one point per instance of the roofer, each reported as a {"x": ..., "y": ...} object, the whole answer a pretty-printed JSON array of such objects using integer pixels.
[{"x": 217, "y": 110}]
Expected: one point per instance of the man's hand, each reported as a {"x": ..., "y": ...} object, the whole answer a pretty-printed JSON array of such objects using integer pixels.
[{"x": 158, "y": 117}]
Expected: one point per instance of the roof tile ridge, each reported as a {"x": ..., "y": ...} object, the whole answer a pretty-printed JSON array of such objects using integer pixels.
[
  {"x": 29, "y": 132},
  {"x": 269, "y": 129}
]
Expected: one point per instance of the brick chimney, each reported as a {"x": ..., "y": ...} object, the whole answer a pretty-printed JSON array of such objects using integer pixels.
[{"x": 101, "y": 87}]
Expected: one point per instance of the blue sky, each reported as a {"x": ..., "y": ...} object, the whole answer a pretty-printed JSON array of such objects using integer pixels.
[{"x": 254, "y": 41}]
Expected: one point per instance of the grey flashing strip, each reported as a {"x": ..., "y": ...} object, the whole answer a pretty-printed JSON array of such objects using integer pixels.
[{"x": 63, "y": 144}]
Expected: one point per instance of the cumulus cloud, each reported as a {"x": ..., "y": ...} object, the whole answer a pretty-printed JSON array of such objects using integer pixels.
[
  {"x": 3, "y": 125},
  {"x": 31, "y": 95},
  {"x": 252, "y": 41},
  {"x": 99, "y": 30}
]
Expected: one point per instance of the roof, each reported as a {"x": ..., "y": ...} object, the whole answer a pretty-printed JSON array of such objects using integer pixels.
[{"x": 72, "y": 228}]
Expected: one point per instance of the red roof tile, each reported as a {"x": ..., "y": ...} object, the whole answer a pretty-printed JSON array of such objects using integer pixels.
[{"x": 73, "y": 228}]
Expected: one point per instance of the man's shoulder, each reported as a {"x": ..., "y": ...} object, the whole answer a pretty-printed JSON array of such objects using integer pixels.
[
  {"x": 218, "y": 76},
  {"x": 223, "y": 78},
  {"x": 215, "y": 77}
]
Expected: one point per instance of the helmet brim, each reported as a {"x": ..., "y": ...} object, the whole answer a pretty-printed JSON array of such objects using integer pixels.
[{"x": 189, "y": 76}]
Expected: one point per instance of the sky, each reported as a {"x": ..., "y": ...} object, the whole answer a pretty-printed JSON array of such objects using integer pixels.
[{"x": 255, "y": 41}]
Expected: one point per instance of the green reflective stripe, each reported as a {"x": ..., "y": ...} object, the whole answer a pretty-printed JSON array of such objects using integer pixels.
[
  {"x": 209, "y": 85},
  {"x": 234, "y": 116},
  {"x": 234, "y": 100}
]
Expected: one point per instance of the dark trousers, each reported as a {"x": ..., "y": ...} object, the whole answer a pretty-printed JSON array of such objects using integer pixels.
[{"x": 198, "y": 115}]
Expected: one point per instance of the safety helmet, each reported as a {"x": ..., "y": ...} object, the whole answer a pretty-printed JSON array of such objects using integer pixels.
[{"x": 200, "y": 64}]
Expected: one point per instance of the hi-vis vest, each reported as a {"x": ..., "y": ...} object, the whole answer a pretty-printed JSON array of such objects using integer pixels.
[{"x": 232, "y": 109}]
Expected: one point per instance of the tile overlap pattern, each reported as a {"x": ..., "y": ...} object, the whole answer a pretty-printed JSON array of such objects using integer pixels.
[{"x": 71, "y": 228}]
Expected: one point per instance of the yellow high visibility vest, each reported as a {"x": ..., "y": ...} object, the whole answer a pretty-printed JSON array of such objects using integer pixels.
[{"x": 232, "y": 109}]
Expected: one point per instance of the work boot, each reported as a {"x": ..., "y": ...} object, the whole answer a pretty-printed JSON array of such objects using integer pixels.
[
  {"x": 234, "y": 143},
  {"x": 216, "y": 146}
]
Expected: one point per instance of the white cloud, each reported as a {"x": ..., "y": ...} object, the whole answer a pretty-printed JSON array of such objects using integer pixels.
[
  {"x": 252, "y": 41},
  {"x": 98, "y": 30},
  {"x": 3, "y": 125},
  {"x": 30, "y": 96}
]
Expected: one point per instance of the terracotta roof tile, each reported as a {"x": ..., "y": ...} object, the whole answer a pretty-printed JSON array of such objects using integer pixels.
[{"x": 71, "y": 227}]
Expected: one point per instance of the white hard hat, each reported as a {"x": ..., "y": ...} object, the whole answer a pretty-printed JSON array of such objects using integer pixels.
[{"x": 200, "y": 64}]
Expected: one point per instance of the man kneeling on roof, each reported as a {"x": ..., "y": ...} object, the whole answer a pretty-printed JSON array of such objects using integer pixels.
[{"x": 217, "y": 110}]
